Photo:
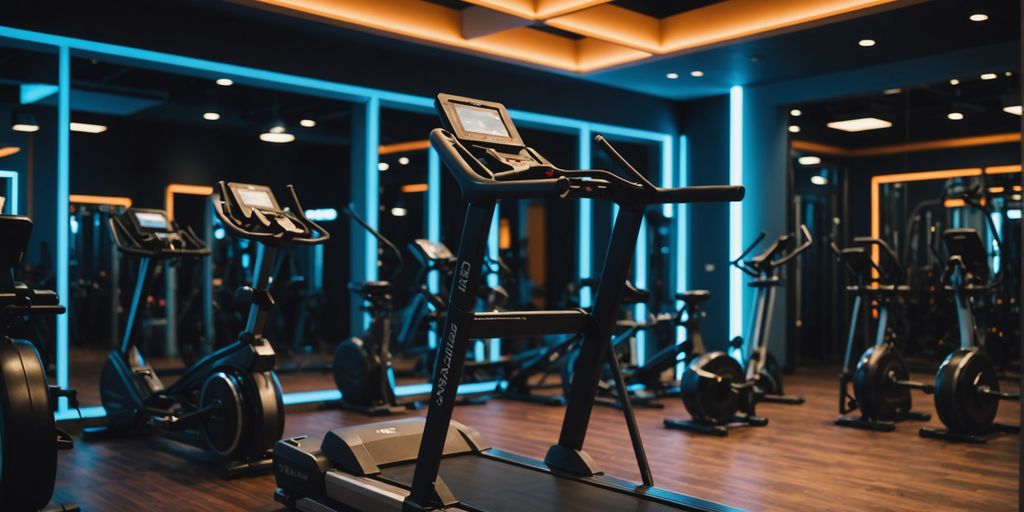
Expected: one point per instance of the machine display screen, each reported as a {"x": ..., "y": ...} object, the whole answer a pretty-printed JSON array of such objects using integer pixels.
[
  {"x": 151, "y": 220},
  {"x": 256, "y": 198},
  {"x": 483, "y": 121}
]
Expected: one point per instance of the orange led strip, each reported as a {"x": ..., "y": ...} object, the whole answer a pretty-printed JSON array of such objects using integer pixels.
[
  {"x": 180, "y": 188},
  {"x": 9, "y": 150},
  {"x": 415, "y": 188},
  {"x": 403, "y": 147},
  {"x": 101, "y": 200},
  {"x": 911, "y": 147}
]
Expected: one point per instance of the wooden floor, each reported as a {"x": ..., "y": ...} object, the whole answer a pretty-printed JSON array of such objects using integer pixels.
[{"x": 800, "y": 461}]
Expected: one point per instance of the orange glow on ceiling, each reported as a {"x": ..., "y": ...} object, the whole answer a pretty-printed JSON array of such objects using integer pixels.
[
  {"x": 181, "y": 188},
  {"x": 612, "y": 35},
  {"x": 910, "y": 147}
]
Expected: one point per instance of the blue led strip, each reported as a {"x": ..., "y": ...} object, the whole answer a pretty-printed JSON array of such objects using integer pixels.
[
  {"x": 433, "y": 225},
  {"x": 12, "y": 196},
  {"x": 493, "y": 280},
  {"x": 682, "y": 259},
  {"x": 62, "y": 201},
  {"x": 735, "y": 209},
  {"x": 586, "y": 228},
  {"x": 371, "y": 192}
]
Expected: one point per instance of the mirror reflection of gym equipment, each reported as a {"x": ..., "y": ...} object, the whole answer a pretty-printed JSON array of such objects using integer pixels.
[{"x": 502, "y": 255}]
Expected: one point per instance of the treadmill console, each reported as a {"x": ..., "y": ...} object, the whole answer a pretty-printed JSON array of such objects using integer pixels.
[
  {"x": 258, "y": 204},
  {"x": 966, "y": 243},
  {"x": 487, "y": 129},
  {"x": 153, "y": 223}
]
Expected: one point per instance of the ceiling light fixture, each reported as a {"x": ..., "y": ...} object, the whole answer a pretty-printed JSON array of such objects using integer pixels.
[
  {"x": 225, "y": 82},
  {"x": 1012, "y": 109},
  {"x": 211, "y": 116},
  {"x": 24, "y": 122},
  {"x": 809, "y": 160},
  {"x": 954, "y": 81},
  {"x": 403, "y": 160},
  {"x": 794, "y": 128},
  {"x": 989, "y": 76},
  {"x": 307, "y": 123},
  {"x": 383, "y": 166},
  {"x": 696, "y": 73},
  {"x": 671, "y": 76},
  {"x": 277, "y": 135},
  {"x": 860, "y": 125},
  {"x": 821, "y": 181},
  {"x": 88, "y": 128},
  {"x": 795, "y": 112},
  {"x": 954, "y": 116},
  {"x": 398, "y": 211},
  {"x": 866, "y": 43},
  {"x": 890, "y": 92},
  {"x": 979, "y": 17}
]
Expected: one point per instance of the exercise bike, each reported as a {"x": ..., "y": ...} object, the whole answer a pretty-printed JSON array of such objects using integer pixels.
[
  {"x": 716, "y": 389},
  {"x": 881, "y": 381},
  {"x": 228, "y": 402},
  {"x": 29, "y": 437},
  {"x": 967, "y": 393}
]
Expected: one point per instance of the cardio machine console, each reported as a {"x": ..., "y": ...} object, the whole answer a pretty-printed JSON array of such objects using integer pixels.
[
  {"x": 258, "y": 204},
  {"x": 487, "y": 128},
  {"x": 966, "y": 244},
  {"x": 432, "y": 252},
  {"x": 153, "y": 224}
]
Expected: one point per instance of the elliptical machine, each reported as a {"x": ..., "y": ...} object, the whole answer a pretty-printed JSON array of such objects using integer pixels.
[
  {"x": 881, "y": 381},
  {"x": 718, "y": 391},
  {"x": 29, "y": 437},
  {"x": 967, "y": 390},
  {"x": 228, "y": 402}
]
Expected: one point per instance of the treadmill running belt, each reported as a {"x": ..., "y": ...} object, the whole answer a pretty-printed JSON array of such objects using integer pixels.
[{"x": 489, "y": 484}]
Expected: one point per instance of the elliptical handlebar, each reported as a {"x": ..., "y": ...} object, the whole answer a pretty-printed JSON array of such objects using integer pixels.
[
  {"x": 808, "y": 240},
  {"x": 478, "y": 183},
  {"x": 272, "y": 227},
  {"x": 350, "y": 211}
]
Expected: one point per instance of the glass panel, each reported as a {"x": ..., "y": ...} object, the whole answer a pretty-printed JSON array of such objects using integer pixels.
[{"x": 141, "y": 131}]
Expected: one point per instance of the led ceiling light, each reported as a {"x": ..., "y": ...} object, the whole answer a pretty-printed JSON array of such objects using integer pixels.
[
  {"x": 979, "y": 17},
  {"x": 954, "y": 81},
  {"x": 794, "y": 128},
  {"x": 383, "y": 166},
  {"x": 24, "y": 122},
  {"x": 403, "y": 160},
  {"x": 225, "y": 82},
  {"x": 88, "y": 128},
  {"x": 307, "y": 123},
  {"x": 809, "y": 160},
  {"x": 211, "y": 116},
  {"x": 795, "y": 112},
  {"x": 1012, "y": 109},
  {"x": 989, "y": 76},
  {"x": 277, "y": 135},
  {"x": 671, "y": 76},
  {"x": 866, "y": 43},
  {"x": 862, "y": 124},
  {"x": 954, "y": 116},
  {"x": 696, "y": 73},
  {"x": 819, "y": 180},
  {"x": 399, "y": 211}
]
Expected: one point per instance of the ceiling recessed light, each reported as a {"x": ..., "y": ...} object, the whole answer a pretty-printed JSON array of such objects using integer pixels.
[
  {"x": 88, "y": 128},
  {"x": 696, "y": 73},
  {"x": 225, "y": 82},
  {"x": 27, "y": 128},
  {"x": 989, "y": 76},
  {"x": 399, "y": 211},
  {"x": 979, "y": 17},
  {"x": 277, "y": 137},
  {"x": 211, "y": 116},
  {"x": 403, "y": 160},
  {"x": 794, "y": 128},
  {"x": 671, "y": 76},
  {"x": 1012, "y": 109},
  {"x": 866, "y": 42},
  {"x": 307, "y": 123},
  {"x": 383, "y": 166},
  {"x": 819, "y": 180},
  {"x": 954, "y": 116},
  {"x": 809, "y": 160},
  {"x": 954, "y": 81},
  {"x": 860, "y": 125},
  {"x": 795, "y": 112},
  {"x": 1008, "y": 73}
]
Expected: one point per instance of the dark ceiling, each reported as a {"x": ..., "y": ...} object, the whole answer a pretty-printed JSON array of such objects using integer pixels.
[{"x": 917, "y": 113}]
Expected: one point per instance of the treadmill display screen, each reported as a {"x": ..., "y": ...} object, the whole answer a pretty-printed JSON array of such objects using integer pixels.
[
  {"x": 480, "y": 120},
  {"x": 255, "y": 198},
  {"x": 151, "y": 220}
]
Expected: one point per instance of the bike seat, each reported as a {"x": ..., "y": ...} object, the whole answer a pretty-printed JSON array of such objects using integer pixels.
[
  {"x": 693, "y": 297},
  {"x": 633, "y": 295}
]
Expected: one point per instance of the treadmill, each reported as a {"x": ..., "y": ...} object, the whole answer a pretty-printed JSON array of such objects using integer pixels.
[{"x": 435, "y": 463}]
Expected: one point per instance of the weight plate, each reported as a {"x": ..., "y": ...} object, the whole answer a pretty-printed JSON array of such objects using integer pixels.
[
  {"x": 710, "y": 400},
  {"x": 960, "y": 406},
  {"x": 28, "y": 436},
  {"x": 874, "y": 384},
  {"x": 222, "y": 428}
]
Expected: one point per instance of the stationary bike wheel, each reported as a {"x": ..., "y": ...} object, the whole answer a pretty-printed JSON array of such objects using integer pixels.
[
  {"x": 960, "y": 406},
  {"x": 223, "y": 428},
  {"x": 355, "y": 369},
  {"x": 874, "y": 385},
  {"x": 250, "y": 416},
  {"x": 28, "y": 435},
  {"x": 707, "y": 399}
]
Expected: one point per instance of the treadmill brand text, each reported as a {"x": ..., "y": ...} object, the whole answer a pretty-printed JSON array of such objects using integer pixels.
[
  {"x": 464, "y": 276},
  {"x": 446, "y": 364}
]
